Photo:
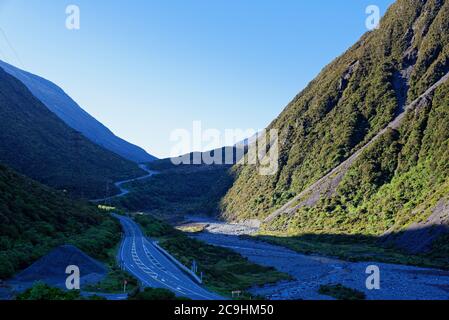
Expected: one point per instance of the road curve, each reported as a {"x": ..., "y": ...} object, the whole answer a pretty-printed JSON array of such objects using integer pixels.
[
  {"x": 140, "y": 257},
  {"x": 123, "y": 191}
]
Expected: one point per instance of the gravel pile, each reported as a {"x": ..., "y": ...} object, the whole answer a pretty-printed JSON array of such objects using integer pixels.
[{"x": 52, "y": 267}]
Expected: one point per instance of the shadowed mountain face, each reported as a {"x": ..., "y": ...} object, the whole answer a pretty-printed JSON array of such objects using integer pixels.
[
  {"x": 58, "y": 102},
  {"x": 341, "y": 171},
  {"x": 35, "y": 142}
]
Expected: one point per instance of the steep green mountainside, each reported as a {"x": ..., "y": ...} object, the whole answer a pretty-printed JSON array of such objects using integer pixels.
[
  {"x": 398, "y": 189},
  {"x": 401, "y": 177},
  {"x": 35, "y": 219},
  {"x": 36, "y": 143}
]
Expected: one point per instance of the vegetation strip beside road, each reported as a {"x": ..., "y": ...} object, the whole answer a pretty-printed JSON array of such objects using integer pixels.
[{"x": 224, "y": 270}]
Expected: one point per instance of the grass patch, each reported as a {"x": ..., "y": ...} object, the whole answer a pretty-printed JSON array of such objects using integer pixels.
[
  {"x": 43, "y": 292},
  {"x": 154, "y": 294},
  {"x": 341, "y": 292},
  {"x": 114, "y": 280},
  {"x": 192, "y": 228}
]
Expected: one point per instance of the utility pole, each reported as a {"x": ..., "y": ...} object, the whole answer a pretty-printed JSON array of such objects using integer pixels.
[
  {"x": 125, "y": 283},
  {"x": 194, "y": 267}
]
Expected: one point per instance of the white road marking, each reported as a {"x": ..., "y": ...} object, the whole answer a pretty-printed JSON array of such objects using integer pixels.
[{"x": 142, "y": 267}]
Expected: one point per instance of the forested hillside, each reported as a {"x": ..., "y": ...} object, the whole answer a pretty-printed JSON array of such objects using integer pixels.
[
  {"x": 178, "y": 190},
  {"x": 35, "y": 219},
  {"x": 35, "y": 142},
  {"x": 401, "y": 178}
]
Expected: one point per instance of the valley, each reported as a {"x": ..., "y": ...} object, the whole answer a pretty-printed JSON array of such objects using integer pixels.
[
  {"x": 362, "y": 184},
  {"x": 123, "y": 191}
]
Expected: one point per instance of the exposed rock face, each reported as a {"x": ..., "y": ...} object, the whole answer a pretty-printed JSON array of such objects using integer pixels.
[
  {"x": 419, "y": 237},
  {"x": 327, "y": 185}
]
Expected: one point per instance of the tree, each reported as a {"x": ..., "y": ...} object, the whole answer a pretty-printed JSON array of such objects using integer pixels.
[
  {"x": 154, "y": 294},
  {"x": 41, "y": 291}
]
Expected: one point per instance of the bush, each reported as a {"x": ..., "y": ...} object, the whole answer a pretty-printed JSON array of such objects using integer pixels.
[
  {"x": 341, "y": 292},
  {"x": 41, "y": 291},
  {"x": 6, "y": 268},
  {"x": 154, "y": 294}
]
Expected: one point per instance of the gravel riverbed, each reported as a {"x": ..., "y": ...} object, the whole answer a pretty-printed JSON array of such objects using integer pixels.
[{"x": 398, "y": 282}]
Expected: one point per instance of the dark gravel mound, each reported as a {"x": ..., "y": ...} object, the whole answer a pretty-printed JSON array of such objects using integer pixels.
[{"x": 51, "y": 268}]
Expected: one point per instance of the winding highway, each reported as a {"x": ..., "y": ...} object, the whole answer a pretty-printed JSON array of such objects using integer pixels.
[
  {"x": 124, "y": 191},
  {"x": 143, "y": 260}
]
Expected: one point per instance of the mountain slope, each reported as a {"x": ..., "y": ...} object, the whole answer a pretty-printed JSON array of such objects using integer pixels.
[
  {"x": 57, "y": 101},
  {"x": 38, "y": 144},
  {"x": 337, "y": 116},
  {"x": 34, "y": 219},
  {"x": 184, "y": 189}
]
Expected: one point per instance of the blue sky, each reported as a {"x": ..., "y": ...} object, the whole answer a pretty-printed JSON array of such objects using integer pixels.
[{"x": 145, "y": 68}]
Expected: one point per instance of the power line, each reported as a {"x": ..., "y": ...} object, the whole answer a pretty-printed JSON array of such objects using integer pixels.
[
  {"x": 2, "y": 55},
  {"x": 16, "y": 55}
]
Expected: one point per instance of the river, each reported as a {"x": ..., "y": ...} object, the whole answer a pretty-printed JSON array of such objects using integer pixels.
[{"x": 397, "y": 282}]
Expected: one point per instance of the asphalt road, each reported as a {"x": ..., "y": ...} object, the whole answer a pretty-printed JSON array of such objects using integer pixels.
[
  {"x": 123, "y": 191},
  {"x": 153, "y": 269}
]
